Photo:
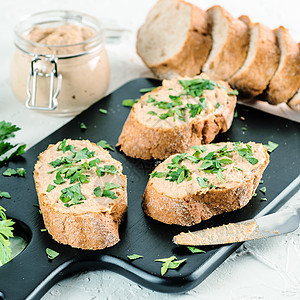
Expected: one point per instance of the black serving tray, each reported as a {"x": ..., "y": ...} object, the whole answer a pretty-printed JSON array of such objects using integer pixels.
[{"x": 31, "y": 274}]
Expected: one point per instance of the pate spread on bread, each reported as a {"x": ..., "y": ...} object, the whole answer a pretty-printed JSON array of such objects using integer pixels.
[
  {"x": 203, "y": 182},
  {"x": 181, "y": 113},
  {"x": 82, "y": 194}
]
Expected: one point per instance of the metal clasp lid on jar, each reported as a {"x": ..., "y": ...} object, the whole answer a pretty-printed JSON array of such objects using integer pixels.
[{"x": 33, "y": 76}]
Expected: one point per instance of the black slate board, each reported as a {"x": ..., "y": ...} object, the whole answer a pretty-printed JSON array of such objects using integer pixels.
[{"x": 31, "y": 274}]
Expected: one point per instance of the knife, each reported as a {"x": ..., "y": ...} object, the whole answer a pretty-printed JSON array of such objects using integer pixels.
[{"x": 274, "y": 224}]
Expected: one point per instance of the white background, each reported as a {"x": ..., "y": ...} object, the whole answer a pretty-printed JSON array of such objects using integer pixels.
[{"x": 266, "y": 269}]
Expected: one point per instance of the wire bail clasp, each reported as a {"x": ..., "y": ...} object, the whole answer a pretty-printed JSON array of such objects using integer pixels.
[{"x": 35, "y": 72}]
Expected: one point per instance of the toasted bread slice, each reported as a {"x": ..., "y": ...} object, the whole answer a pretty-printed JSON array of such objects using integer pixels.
[
  {"x": 261, "y": 62},
  {"x": 230, "y": 44},
  {"x": 203, "y": 182},
  {"x": 286, "y": 80},
  {"x": 175, "y": 39},
  {"x": 294, "y": 103},
  {"x": 170, "y": 119},
  {"x": 82, "y": 194}
]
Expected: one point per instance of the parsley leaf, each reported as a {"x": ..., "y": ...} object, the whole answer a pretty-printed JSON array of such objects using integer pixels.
[
  {"x": 58, "y": 179},
  {"x": 147, "y": 90},
  {"x": 157, "y": 174},
  {"x": 83, "y": 126},
  {"x": 129, "y": 102},
  {"x": 103, "y": 111},
  {"x": 83, "y": 154},
  {"x": 98, "y": 191},
  {"x": 4, "y": 195},
  {"x": 195, "y": 249},
  {"x": 271, "y": 146},
  {"x": 202, "y": 182},
  {"x": 6, "y": 232},
  {"x": 169, "y": 263},
  {"x": 51, "y": 253},
  {"x": 134, "y": 256},
  {"x": 9, "y": 172},
  {"x": 263, "y": 189},
  {"x": 233, "y": 92},
  {"x": 72, "y": 195},
  {"x": 50, "y": 187},
  {"x": 105, "y": 145}
]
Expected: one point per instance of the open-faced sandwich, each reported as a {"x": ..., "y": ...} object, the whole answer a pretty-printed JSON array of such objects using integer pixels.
[
  {"x": 181, "y": 113},
  {"x": 204, "y": 181},
  {"x": 82, "y": 194}
]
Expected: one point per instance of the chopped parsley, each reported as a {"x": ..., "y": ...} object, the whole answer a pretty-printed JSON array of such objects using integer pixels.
[
  {"x": 233, "y": 92},
  {"x": 50, "y": 187},
  {"x": 72, "y": 195},
  {"x": 129, "y": 102},
  {"x": 195, "y": 249},
  {"x": 103, "y": 111},
  {"x": 194, "y": 88},
  {"x": 169, "y": 263},
  {"x": 213, "y": 162},
  {"x": 217, "y": 105},
  {"x": 134, "y": 256},
  {"x": 6, "y": 232},
  {"x": 147, "y": 90},
  {"x": 10, "y": 172},
  {"x": 83, "y": 126},
  {"x": 263, "y": 189},
  {"x": 271, "y": 146},
  {"x": 51, "y": 253},
  {"x": 263, "y": 199},
  {"x": 157, "y": 174},
  {"x": 202, "y": 182},
  {"x": 151, "y": 112},
  {"x": 5, "y": 195},
  {"x": 105, "y": 145},
  {"x": 106, "y": 191}
]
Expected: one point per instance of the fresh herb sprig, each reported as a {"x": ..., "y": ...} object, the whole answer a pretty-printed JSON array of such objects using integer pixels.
[
  {"x": 6, "y": 232},
  {"x": 7, "y": 130}
]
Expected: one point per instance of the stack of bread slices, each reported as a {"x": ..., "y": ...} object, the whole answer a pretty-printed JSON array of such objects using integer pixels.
[{"x": 254, "y": 59}]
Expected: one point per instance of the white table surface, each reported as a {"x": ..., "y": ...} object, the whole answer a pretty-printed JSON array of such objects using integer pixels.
[{"x": 263, "y": 269}]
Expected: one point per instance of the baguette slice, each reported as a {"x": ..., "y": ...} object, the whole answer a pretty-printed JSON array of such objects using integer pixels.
[
  {"x": 230, "y": 44},
  {"x": 286, "y": 80},
  {"x": 261, "y": 62},
  {"x": 92, "y": 224},
  {"x": 175, "y": 39},
  {"x": 148, "y": 133},
  {"x": 196, "y": 195}
]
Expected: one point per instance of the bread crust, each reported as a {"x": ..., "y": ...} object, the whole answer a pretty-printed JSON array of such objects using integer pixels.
[
  {"x": 253, "y": 80},
  {"x": 294, "y": 103},
  {"x": 86, "y": 230},
  {"x": 193, "y": 54},
  {"x": 194, "y": 208},
  {"x": 234, "y": 51},
  {"x": 139, "y": 141},
  {"x": 286, "y": 80}
]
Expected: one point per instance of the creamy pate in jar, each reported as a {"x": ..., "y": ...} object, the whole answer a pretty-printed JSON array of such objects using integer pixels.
[{"x": 60, "y": 65}]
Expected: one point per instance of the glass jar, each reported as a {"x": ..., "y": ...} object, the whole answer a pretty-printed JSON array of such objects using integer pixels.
[{"x": 55, "y": 77}]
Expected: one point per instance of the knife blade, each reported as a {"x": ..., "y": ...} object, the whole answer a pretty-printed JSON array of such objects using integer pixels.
[{"x": 274, "y": 224}]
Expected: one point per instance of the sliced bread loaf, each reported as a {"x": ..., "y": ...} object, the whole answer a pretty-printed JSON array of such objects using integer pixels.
[
  {"x": 230, "y": 44},
  {"x": 82, "y": 194},
  {"x": 261, "y": 62},
  {"x": 173, "y": 117},
  {"x": 175, "y": 39},
  {"x": 286, "y": 80},
  {"x": 204, "y": 181},
  {"x": 294, "y": 103}
]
